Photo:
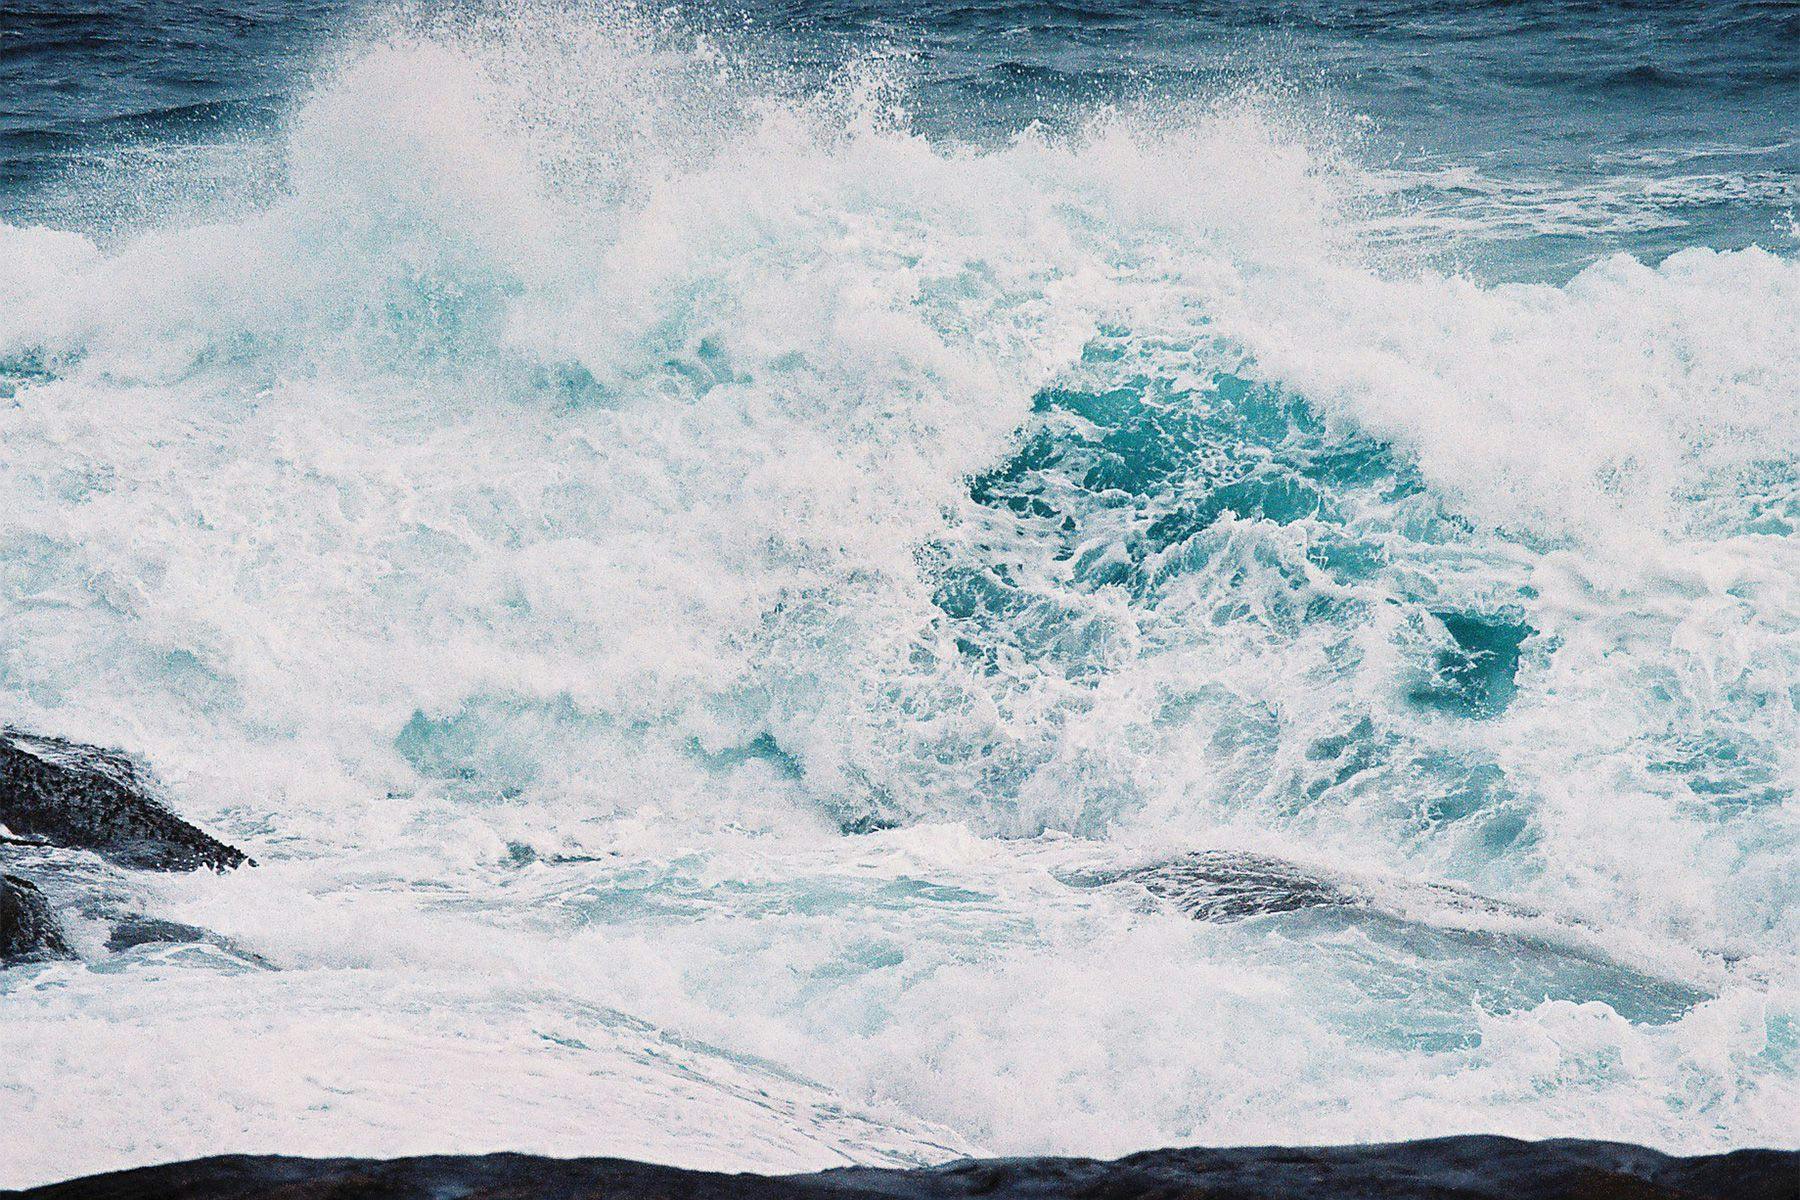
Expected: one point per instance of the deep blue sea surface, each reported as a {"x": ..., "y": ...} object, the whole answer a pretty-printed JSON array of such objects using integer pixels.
[
  {"x": 726, "y": 561},
  {"x": 1531, "y": 137}
]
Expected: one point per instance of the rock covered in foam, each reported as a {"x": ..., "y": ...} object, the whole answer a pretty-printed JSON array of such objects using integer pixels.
[
  {"x": 29, "y": 931},
  {"x": 1219, "y": 885},
  {"x": 1455, "y": 1168},
  {"x": 1230, "y": 885},
  {"x": 81, "y": 797}
]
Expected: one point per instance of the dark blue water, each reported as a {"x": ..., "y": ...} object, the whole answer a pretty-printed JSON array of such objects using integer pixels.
[{"x": 1542, "y": 134}]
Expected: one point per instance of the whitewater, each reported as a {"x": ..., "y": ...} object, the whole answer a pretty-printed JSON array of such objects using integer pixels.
[{"x": 692, "y": 587}]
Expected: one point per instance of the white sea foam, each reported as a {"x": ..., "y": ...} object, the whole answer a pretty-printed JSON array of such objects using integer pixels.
[{"x": 526, "y": 536}]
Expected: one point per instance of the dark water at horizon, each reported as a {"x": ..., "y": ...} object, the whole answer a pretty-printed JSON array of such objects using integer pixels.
[{"x": 1546, "y": 134}]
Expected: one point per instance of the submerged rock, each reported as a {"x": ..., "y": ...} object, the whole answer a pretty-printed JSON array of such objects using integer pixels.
[
  {"x": 1219, "y": 885},
  {"x": 80, "y": 797},
  {"x": 1497, "y": 954},
  {"x": 1230, "y": 885},
  {"x": 29, "y": 931},
  {"x": 138, "y": 930},
  {"x": 1456, "y": 1168}
]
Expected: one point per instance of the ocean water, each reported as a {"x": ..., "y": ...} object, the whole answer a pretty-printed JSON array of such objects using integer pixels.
[{"x": 710, "y": 555}]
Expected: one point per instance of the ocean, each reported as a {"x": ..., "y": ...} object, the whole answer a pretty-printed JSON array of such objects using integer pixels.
[{"x": 782, "y": 584}]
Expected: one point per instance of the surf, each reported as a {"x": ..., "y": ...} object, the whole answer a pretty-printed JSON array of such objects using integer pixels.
[{"x": 670, "y": 568}]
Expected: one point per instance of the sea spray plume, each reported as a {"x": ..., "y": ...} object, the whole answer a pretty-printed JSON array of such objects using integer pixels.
[
  {"x": 454, "y": 292},
  {"x": 455, "y": 281}
]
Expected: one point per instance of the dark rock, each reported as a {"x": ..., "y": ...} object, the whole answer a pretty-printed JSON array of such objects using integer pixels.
[
  {"x": 1219, "y": 885},
  {"x": 1229, "y": 885},
  {"x": 135, "y": 930},
  {"x": 29, "y": 931},
  {"x": 145, "y": 931},
  {"x": 81, "y": 797},
  {"x": 1518, "y": 961},
  {"x": 1457, "y": 1168}
]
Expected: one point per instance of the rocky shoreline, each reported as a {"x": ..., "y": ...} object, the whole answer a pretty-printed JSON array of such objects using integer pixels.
[
  {"x": 72, "y": 818},
  {"x": 29, "y": 930},
  {"x": 1455, "y": 1168}
]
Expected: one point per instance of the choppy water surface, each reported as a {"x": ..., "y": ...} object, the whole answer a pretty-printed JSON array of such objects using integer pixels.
[{"x": 716, "y": 559}]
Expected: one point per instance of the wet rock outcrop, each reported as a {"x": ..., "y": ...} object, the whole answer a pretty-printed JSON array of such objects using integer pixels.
[
  {"x": 1457, "y": 1168},
  {"x": 29, "y": 931},
  {"x": 1500, "y": 954},
  {"x": 78, "y": 797},
  {"x": 59, "y": 798},
  {"x": 1218, "y": 885}
]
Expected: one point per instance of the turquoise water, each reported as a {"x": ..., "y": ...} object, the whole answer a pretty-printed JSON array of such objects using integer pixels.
[{"x": 717, "y": 559}]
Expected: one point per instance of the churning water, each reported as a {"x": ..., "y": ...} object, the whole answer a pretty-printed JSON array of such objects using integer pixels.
[{"x": 715, "y": 558}]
